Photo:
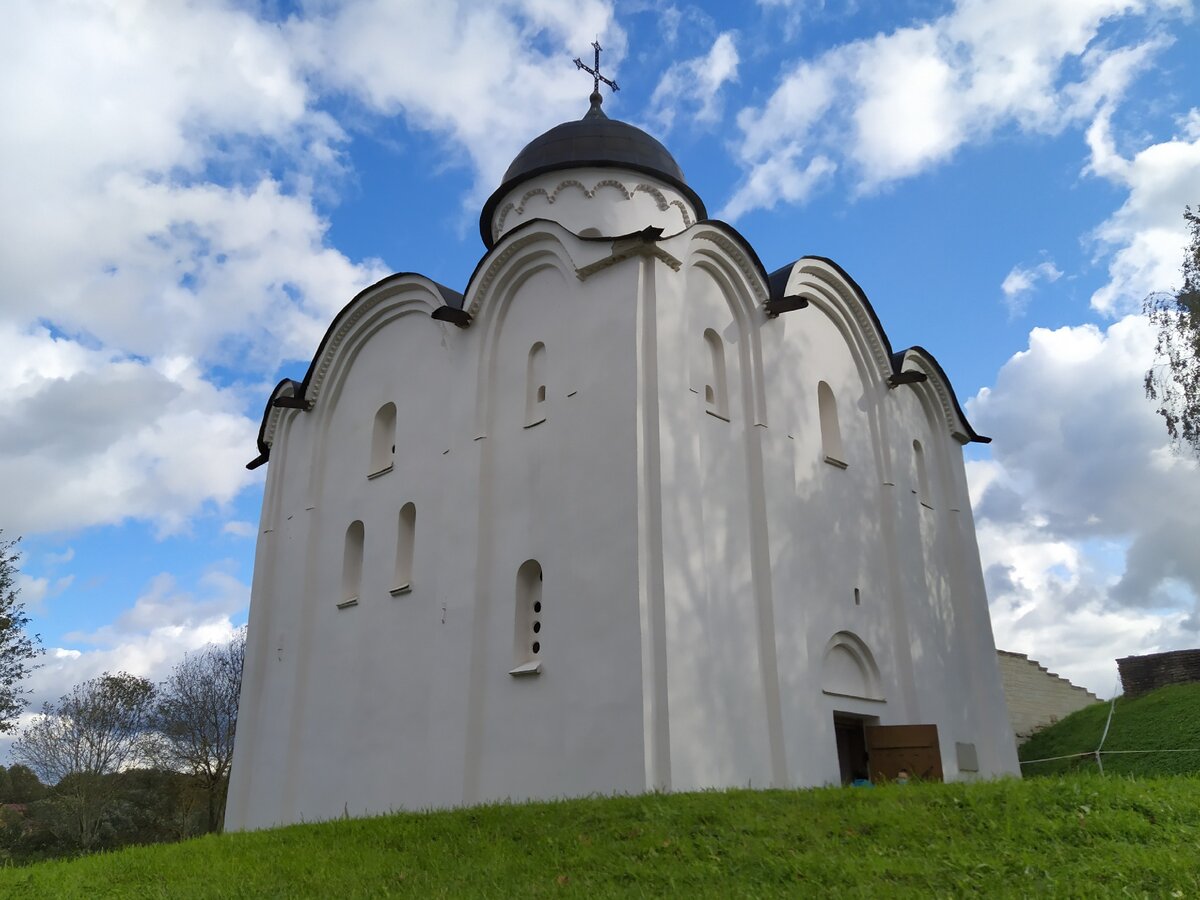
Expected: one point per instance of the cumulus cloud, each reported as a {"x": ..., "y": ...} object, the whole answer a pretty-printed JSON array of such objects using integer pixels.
[
  {"x": 895, "y": 104},
  {"x": 91, "y": 437},
  {"x": 144, "y": 245},
  {"x": 694, "y": 86},
  {"x": 148, "y": 638},
  {"x": 1020, "y": 282},
  {"x": 1146, "y": 236},
  {"x": 1083, "y": 511},
  {"x": 161, "y": 178},
  {"x": 485, "y": 76}
]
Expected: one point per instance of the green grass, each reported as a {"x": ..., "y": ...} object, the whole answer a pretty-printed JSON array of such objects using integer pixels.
[
  {"x": 1079, "y": 836},
  {"x": 1168, "y": 718}
]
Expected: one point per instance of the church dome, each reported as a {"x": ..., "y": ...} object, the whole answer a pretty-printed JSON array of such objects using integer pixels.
[{"x": 595, "y": 141}]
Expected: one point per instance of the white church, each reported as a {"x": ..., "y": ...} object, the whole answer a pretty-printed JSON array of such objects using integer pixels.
[{"x": 629, "y": 513}]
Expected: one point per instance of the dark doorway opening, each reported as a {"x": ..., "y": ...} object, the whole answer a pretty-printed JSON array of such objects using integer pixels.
[{"x": 850, "y": 730}]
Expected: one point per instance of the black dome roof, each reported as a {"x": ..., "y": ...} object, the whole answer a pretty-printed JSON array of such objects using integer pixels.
[{"x": 594, "y": 140}]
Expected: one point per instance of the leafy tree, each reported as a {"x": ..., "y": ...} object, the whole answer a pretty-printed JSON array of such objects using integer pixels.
[
  {"x": 1173, "y": 382},
  {"x": 23, "y": 785},
  {"x": 17, "y": 648},
  {"x": 98, "y": 729},
  {"x": 196, "y": 717}
]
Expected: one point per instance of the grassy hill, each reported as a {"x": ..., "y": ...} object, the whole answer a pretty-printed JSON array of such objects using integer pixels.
[
  {"x": 1063, "y": 837},
  {"x": 1167, "y": 719}
]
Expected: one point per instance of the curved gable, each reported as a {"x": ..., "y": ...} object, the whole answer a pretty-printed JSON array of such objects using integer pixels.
[
  {"x": 400, "y": 289},
  {"x": 812, "y": 277},
  {"x": 919, "y": 359}
]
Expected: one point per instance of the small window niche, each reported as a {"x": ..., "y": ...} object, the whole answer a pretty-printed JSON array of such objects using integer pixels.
[
  {"x": 922, "y": 489},
  {"x": 383, "y": 441},
  {"x": 535, "y": 386},
  {"x": 527, "y": 631},
  {"x": 831, "y": 431},
  {"x": 406, "y": 533},
  {"x": 716, "y": 390},
  {"x": 352, "y": 561}
]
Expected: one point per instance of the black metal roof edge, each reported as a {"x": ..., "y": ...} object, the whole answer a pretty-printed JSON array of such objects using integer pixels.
[
  {"x": 264, "y": 452},
  {"x": 450, "y": 297},
  {"x": 898, "y": 360},
  {"x": 489, "y": 208}
]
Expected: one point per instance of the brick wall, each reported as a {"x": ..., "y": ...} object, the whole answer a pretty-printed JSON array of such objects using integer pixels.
[
  {"x": 1036, "y": 697},
  {"x": 1142, "y": 674}
]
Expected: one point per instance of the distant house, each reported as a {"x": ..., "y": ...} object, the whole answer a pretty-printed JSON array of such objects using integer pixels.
[{"x": 1037, "y": 697}]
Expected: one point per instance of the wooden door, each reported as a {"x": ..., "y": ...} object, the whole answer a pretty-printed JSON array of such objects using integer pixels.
[{"x": 891, "y": 748}]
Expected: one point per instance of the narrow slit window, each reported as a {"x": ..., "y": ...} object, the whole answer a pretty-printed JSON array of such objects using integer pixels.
[
  {"x": 406, "y": 533},
  {"x": 352, "y": 560},
  {"x": 922, "y": 489},
  {"x": 528, "y": 634},
  {"x": 383, "y": 441},
  {"x": 716, "y": 390},
  {"x": 535, "y": 386},
  {"x": 831, "y": 432}
]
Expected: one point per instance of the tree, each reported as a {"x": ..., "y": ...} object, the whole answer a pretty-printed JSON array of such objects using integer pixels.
[
  {"x": 1173, "y": 382},
  {"x": 196, "y": 717},
  {"x": 98, "y": 729},
  {"x": 23, "y": 785},
  {"x": 17, "y": 648}
]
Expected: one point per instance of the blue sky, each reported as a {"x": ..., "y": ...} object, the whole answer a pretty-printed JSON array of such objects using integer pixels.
[{"x": 190, "y": 191}]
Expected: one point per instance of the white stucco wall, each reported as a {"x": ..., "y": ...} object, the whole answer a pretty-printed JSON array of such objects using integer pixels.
[{"x": 699, "y": 623}]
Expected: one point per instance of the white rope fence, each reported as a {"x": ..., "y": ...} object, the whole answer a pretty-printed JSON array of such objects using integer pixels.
[{"x": 1100, "y": 751}]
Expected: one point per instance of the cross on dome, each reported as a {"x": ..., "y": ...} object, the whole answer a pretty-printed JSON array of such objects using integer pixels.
[{"x": 595, "y": 73}]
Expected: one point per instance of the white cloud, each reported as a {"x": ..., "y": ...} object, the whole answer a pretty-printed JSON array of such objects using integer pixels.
[
  {"x": 1019, "y": 283},
  {"x": 1083, "y": 513},
  {"x": 143, "y": 244},
  {"x": 147, "y": 639},
  {"x": 896, "y": 104},
  {"x": 1147, "y": 235},
  {"x": 89, "y": 437},
  {"x": 240, "y": 529},
  {"x": 485, "y": 76},
  {"x": 694, "y": 86}
]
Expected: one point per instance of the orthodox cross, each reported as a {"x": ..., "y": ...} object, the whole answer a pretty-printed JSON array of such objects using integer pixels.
[{"x": 595, "y": 73}]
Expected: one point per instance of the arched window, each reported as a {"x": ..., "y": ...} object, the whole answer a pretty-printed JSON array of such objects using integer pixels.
[
  {"x": 352, "y": 560},
  {"x": 831, "y": 431},
  {"x": 383, "y": 440},
  {"x": 716, "y": 390},
  {"x": 922, "y": 489},
  {"x": 535, "y": 386},
  {"x": 406, "y": 533},
  {"x": 527, "y": 630}
]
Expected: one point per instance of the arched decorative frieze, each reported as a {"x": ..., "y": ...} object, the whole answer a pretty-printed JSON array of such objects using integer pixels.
[
  {"x": 664, "y": 204},
  {"x": 848, "y": 668},
  {"x": 626, "y": 191}
]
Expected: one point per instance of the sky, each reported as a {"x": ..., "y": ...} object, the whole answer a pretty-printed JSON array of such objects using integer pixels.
[{"x": 190, "y": 191}]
